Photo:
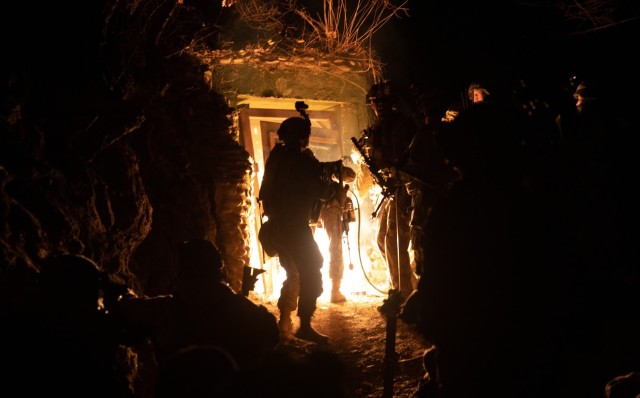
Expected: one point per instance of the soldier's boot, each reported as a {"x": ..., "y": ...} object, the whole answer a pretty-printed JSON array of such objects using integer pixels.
[
  {"x": 336, "y": 294},
  {"x": 409, "y": 311},
  {"x": 307, "y": 332},
  {"x": 286, "y": 326}
]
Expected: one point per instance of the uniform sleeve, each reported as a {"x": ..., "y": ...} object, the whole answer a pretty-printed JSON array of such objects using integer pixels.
[{"x": 317, "y": 180}]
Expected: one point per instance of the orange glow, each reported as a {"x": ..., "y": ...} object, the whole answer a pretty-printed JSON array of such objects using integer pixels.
[{"x": 365, "y": 275}]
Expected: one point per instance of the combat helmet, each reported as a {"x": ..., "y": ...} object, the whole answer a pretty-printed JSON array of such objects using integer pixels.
[
  {"x": 71, "y": 278},
  {"x": 294, "y": 129},
  {"x": 380, "y": 92},
  {"x": 200, "y": 258},
  {"x": 477, "y": 86},
  {"x": 587, "y": 90}
]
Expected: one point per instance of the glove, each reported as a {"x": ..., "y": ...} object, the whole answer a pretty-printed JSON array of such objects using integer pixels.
[{"x": 348, "y": 174}]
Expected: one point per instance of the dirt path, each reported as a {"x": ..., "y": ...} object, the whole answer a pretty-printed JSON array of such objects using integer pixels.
[{"x": 357, "y": 334}]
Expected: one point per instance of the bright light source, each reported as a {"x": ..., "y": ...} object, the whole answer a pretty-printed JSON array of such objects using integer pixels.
[{"x": 365, "y": 275}]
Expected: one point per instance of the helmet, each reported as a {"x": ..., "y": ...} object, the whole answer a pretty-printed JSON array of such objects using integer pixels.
[
  {"x": 71, "y": 278},
  {"x": 200, "y": 258},
  {"x": 380, "y": 91},
  {"x": 477, "y": 86},
  {"x": 294, "y": 128},
  {"x": 586, "y": 90}
]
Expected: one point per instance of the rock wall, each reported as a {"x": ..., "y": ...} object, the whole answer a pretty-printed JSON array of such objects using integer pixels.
[
  {"x": 119, "y": 140},
  {"x": 113, "y": 145}
]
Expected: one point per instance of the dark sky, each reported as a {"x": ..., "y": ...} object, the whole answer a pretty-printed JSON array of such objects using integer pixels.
[{"x": 452, "y": 43}]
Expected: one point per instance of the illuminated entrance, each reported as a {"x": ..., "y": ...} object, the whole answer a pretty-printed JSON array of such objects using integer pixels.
[{"x": 332, "y": 126}]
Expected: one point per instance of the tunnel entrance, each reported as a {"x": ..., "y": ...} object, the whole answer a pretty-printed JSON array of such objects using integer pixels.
[{"x": 332, "y": 126}]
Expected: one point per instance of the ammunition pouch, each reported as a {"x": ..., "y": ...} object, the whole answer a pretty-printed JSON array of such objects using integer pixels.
[{"x": 267, "y": 237}]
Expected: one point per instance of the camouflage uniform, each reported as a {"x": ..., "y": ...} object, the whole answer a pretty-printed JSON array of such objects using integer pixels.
[
  {"x": 331, "y": 218},
  {"x": 292, "y": 186},
  {"x": 386, "y": 143}
]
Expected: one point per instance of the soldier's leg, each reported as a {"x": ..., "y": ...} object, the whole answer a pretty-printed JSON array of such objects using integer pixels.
[
  {"x": 333, "y": 226},
  {"x": 289, "y": 293},
  {"x": 308, "y": 259}
]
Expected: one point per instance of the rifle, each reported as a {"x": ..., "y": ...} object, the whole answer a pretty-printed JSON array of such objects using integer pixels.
[
  {"x": 249, "y": 278},
  {"x": 329, "y": 168},
  {"x": 373, "y": 169}
]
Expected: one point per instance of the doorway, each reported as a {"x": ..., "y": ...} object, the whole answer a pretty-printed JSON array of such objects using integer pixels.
[{"x": 332, "y": 126}]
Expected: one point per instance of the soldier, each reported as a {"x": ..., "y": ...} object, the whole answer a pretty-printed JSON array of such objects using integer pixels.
[
  {"x": 387, "y": 142},
  {"x": 332, "y": 217},
  {"x": 294, "y": 184},
  {"x": 65, "y": 340},
  {"x": 203, "y": 310},
  {"x": 428, "y": 177}
]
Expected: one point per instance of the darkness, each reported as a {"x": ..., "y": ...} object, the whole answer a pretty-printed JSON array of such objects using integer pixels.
[
  {"x": 66, "y": 94},
  {"x": 447, "y": 45},
  {"x": 443, "y": 47}
]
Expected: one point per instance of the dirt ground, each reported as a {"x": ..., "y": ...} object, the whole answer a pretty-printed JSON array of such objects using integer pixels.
[
  {"x": 358, "y": 332},
  {"x": 356, "y": 329}
]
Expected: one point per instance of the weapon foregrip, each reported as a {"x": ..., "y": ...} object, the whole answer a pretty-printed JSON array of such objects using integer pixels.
[{"x": 372, "y": 167}]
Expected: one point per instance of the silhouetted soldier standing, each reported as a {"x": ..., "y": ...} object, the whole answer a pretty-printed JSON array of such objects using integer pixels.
[
  {"x": 428, "y": 176},
  {"x": 295, "y": 183},
  {"x": 386, "y": 143},
  {"x": 479, "y": 249}
]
